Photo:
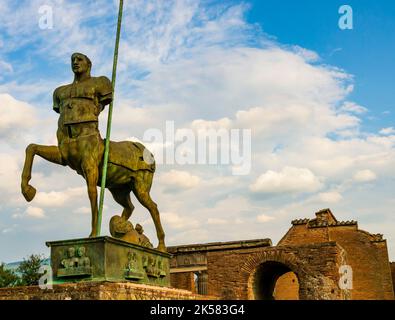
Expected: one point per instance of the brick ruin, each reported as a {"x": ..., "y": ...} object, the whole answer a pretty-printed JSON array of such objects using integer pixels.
[{"x": 319, "y": 258}]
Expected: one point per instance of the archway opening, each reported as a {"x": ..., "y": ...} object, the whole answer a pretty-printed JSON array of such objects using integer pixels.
[{"x": 275, "y": 281}]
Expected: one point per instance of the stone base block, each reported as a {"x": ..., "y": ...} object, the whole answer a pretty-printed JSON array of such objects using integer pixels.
[
  {"x": 104, "y": 290},
  {"x": 108, "y": 259}
]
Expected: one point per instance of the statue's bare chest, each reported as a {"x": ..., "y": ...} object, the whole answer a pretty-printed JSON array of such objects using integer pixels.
[{"x": 86, "y": 89}]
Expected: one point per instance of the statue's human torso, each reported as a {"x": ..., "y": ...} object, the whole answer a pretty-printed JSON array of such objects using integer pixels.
[{"x": 83, "y": 101}]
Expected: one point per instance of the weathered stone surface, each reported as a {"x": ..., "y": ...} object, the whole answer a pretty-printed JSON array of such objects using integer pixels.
[{"x": 99, "y": 291}]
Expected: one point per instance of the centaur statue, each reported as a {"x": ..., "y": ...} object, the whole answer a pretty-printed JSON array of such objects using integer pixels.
[{"x": 130, "y": 165}]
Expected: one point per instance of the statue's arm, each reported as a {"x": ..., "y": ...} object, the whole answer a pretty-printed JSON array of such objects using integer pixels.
[
  {"x": 105, "y": 92},
  {"x": 56, "y": 101}
]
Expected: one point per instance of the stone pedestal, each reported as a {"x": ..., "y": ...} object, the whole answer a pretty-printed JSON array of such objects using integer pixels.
[{"x": 108, "y": 259}]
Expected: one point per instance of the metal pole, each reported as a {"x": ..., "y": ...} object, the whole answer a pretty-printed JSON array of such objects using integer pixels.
[{"x": 107, "y": 145}]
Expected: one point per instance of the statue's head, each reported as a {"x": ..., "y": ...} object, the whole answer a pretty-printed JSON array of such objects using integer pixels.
[
  {"x": 80, "y": 63},
  {"x": 71, "y": 252},
  {"x": 81, "y": 251}
]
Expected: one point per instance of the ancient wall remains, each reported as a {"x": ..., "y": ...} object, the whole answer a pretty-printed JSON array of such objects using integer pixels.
[{"x": 319, "y": 258}]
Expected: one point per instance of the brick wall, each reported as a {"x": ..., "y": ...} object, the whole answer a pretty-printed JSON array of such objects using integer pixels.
[
  {"x": 369, "y": 262},
  {"x": 367, "y": 255},
  {"x": 233, "y": 274},
  {"x": 183, "y": 280},
  {"x": 314, "y": 249}
]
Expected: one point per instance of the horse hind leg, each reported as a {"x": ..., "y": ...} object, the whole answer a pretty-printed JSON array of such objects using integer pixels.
[
  {"x": 141, "y": 190},
  {"x": 122, "y": 197},
  {"x": 120, "y": 226},
  {"x": 49, "y": 153}
]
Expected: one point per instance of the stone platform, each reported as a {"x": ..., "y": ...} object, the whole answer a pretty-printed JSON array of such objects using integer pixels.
[{"x": 103, "y": 290}]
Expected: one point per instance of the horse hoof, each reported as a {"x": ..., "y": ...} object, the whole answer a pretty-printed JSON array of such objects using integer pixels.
[{"x": 29, "y": 192}]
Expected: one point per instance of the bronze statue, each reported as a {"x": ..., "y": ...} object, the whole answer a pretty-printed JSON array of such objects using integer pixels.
[
  {"x": 143, "y": 239},
  {"x": 130, "y": 166}
]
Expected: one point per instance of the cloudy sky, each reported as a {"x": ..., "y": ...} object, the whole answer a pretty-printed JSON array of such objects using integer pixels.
[{"x": 317, "y": 99}]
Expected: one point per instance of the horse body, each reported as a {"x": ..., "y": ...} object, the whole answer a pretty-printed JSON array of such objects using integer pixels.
[{"x": 81, "y": 148}]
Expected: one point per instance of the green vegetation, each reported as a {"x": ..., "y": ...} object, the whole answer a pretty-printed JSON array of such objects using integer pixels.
[
  {"x": 27, "y": 273},
  {"x": 8, "y": 278}
]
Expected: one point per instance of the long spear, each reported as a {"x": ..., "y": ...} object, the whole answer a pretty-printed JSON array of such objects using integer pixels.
[{"x": 107, "y": 145}]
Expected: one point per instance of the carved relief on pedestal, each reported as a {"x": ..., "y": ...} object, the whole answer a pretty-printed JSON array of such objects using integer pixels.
[
  {"x": 154, "y": 267},
  {"x": 133, "y": 269},
  {"x": 75, "y": 263}
]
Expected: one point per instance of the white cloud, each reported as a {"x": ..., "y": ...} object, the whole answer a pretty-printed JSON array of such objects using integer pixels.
[
  {"x": 82, "y": 210},
  {"x": 69, "y": 30},
  {"x": 35, "y": 212},
  {"x": 352, "y": 107},
  {"x": 216, "y": 221},
  {"x": 330, "y": 197},
  {"x": 160, "y": 31},
  {"x": 15, "y": 116},
  {"x": 308, "y": 55},
  {"x": 179, "y": 179},
  {"x": 224, "y": 123},
  {"x": 289, "y": 179},
  {"x": 175, "y": 221},
  {"x": 9, "y": 174},
  {"x": 365, "y": 176},
  {"x": 51, "y": 199},
  {"x": 264, "y": 218},
  {"x": 387, "y": 131}
]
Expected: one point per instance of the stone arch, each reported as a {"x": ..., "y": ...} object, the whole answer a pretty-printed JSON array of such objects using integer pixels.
[{"x": 312, "y": 285}]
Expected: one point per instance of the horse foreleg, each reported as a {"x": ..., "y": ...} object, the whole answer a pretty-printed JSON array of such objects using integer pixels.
[{"x": 50, "y": 153}]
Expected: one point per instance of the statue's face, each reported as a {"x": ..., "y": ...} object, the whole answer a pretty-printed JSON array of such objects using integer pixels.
[
  {"x": 79, "y": 64},
  {"x": 81, "y": 251},
  {"x": 71, "y": 252}
]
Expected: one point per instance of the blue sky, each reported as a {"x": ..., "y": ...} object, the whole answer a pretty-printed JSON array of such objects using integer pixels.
[
  {"x": 366, "y": 51},
  {"x": 318, "y": 101}
]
